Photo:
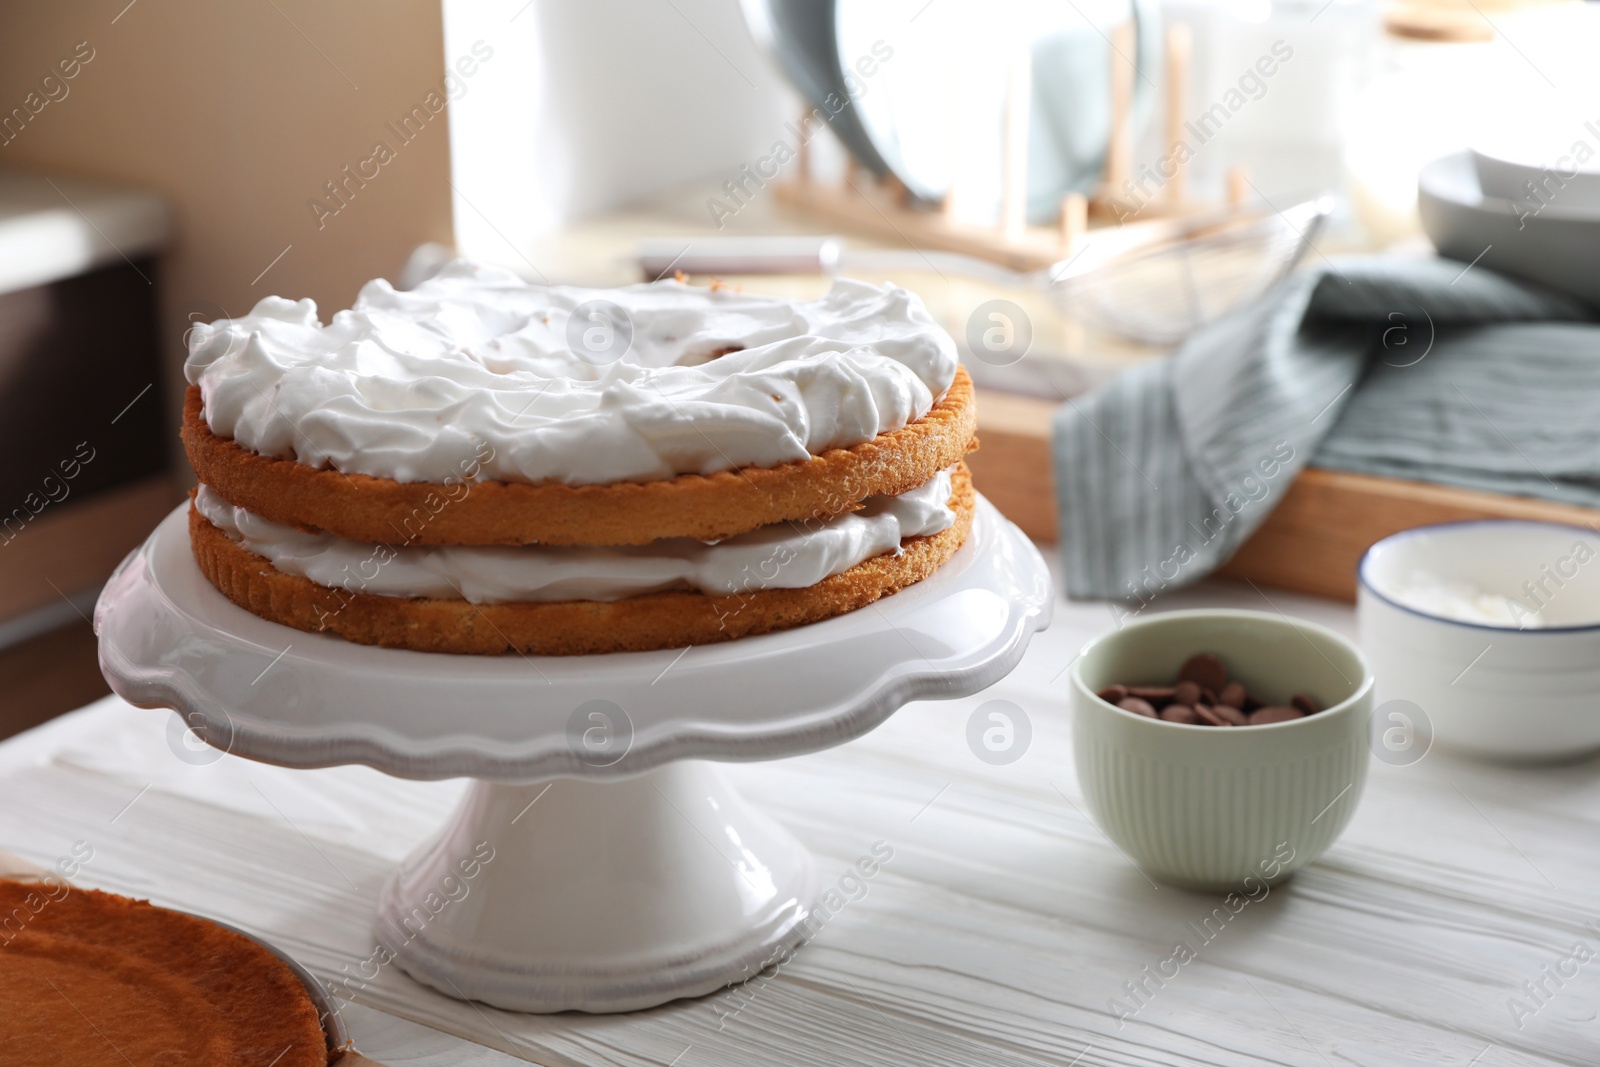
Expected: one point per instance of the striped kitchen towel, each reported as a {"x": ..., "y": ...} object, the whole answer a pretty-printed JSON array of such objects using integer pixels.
[{"x": 1409, "y": 367}]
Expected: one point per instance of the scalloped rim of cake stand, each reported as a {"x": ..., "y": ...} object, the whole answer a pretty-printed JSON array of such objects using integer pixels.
[{"x": 280, "y": 695}]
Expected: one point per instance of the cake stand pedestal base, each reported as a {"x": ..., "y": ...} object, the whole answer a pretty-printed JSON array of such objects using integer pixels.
[{"x": 598, "y": 895}]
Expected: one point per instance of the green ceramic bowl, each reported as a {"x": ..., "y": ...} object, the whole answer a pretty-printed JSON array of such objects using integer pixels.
[{"x": 1209, "y": 807}]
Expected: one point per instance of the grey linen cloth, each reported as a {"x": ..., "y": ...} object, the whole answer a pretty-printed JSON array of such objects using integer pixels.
[{"x": 1404, "y": 367}]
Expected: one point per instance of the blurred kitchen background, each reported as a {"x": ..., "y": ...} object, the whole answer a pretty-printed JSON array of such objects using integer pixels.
[{"x": 164, "y": 162}]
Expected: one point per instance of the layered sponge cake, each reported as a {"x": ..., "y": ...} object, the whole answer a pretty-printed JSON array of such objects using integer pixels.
[{"x": 479, "y": 465}]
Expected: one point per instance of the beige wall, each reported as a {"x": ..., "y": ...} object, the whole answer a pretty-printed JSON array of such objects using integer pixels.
[{"x": 239, "y": 112}]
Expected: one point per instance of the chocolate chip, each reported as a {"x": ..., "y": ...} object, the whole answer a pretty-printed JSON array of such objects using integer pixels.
[
  {"x": 1274, "y": 714},
  {"x": 1113, "y": 694},
  {"x": 1233, "y": 715},
  {"x": 1206, "y": 669},
  {"x": 1204, "y": 696}
]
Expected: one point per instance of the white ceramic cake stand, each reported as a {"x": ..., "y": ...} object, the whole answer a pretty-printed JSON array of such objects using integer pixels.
[{"x": 597, "y": 862}]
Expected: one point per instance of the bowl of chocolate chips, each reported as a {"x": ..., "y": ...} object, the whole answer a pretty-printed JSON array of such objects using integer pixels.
[{"x": 1216, "y": 746}]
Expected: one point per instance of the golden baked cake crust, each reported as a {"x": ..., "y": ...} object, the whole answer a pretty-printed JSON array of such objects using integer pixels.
[
  {"x": 95, "y": 978},
  {"x": 566, "y": 628},
  {"x": 712, "y": 507}
]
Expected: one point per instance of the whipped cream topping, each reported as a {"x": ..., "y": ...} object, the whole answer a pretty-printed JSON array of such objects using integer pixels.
[
  {"x": 406, "y": 385},
  {"x": 780, "y": 556}
]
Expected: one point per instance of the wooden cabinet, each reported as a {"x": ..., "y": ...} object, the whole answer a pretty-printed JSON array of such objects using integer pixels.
[{"x": 84, "y": 431}]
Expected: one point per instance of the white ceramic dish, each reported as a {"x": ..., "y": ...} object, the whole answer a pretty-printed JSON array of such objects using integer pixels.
[
  {"x": 1211, "y": 807},
  {"x": 1505, "y": 170},
  {"x": 1492, "y": 691},
  {"x": 1550, "y": 246}
]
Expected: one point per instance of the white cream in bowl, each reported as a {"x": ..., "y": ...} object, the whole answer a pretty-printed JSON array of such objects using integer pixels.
[{"x": 1492, "y": 628}]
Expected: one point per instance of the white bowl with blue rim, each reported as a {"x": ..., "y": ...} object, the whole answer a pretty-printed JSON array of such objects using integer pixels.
[{"x": 1487, "y": 632}]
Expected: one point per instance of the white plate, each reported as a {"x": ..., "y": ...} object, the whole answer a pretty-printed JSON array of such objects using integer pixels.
[
  {"x": 1505, "y": 167},
  {"x": 1548, "y": 246}
]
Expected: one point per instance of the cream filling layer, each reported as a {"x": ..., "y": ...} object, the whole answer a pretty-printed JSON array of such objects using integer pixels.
[
  {"x": 780, "y": 556},
  {"x": 555, "y": 383}
]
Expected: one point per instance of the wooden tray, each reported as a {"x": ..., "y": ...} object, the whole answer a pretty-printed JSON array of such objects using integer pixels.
[{"x": 1311, "y": 542}]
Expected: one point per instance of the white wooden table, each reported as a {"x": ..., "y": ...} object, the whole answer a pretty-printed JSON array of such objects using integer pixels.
[{"x": 998, "y": 933}]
